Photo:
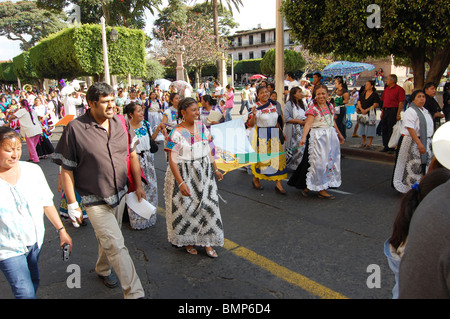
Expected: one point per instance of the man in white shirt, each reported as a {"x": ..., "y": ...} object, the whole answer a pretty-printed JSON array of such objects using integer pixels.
[
  {"x": 218, "y": 92},
  {"x": 71, "y": 102},
  {"x": 290, "y": 77},
  {"x": 245, "y": 99}
]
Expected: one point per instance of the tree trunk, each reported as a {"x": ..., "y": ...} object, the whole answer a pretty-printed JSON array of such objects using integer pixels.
[
  {"x": 438, "y": 64},
  {"x": 216, "y": 34},
  {"x": 417, "y": 57},
  {"x": 198, "y": 73}
]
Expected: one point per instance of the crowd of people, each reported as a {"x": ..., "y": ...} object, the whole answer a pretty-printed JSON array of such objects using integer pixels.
[{"x": 307, "y": 133}]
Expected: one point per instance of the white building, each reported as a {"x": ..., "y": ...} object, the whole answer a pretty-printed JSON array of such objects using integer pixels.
[{"x": 253, "y": 44}]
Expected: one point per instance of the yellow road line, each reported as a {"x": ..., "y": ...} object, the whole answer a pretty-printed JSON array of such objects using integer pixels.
[{"x": 278, "y": 270}]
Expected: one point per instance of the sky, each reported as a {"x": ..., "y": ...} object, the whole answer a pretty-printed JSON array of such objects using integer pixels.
[{"x": 253, "y": 12}]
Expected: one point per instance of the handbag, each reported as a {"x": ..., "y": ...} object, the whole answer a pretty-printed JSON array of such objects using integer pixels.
[
  {"x": 363, "y": 118},
  {"x": 395, "y": 137},
  {"x": 153, "y": 145},
  {"x": 372, "y": 117}
]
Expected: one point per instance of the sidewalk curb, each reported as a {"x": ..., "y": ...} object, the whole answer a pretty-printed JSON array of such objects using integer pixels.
[{"x": 372, "y": 155}]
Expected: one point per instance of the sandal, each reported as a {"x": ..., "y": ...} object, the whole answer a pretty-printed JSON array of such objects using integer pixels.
[
  {"x": 258, "y": 188},
  {"x": 325, "y": 196},
  {"x": 305, "y": 193},
  {"x": 191, "y": 250},
  {"x": 211, "y": 253}
]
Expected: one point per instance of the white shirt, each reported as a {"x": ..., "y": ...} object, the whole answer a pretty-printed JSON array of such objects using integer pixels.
[
  {"x": 292, "y": 84},
  {"x": 411, "y": 120},
  {"x": 70, "y": 105},
  {"x": 22, "y": 211},
  {"x": 27, "y": 128}
]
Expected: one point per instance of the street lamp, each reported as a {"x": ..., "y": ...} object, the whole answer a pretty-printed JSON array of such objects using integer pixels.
[
  {"x": 113, "y": 37},
  {"x": 179, "y": 57},
  {"x": 105, "y": 51}
]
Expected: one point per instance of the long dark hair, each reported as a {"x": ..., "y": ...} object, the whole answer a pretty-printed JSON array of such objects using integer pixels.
[
  {"x": 130, "y": 108},
  {"x": 412, "y": 199},
  {"x": 184, "y": 105},
  {"x": 293, "y": 99},
  {"x": 25, "y": 104},
  {"x": 340, "y": 79},
  {"x": 209, "y": 99}
]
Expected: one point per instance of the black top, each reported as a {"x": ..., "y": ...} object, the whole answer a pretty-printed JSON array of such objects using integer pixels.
[
  {"x": 432, "y": 106},
  {"x": 367, "y": 103}
]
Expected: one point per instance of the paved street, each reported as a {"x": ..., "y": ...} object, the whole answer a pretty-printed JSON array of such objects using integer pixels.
[{"x": 277, "y": 247}]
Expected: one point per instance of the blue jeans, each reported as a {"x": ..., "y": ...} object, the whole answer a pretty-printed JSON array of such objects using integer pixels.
[
  {"x": 228, "y": 115},
  {"x": 22, "y": 273}
]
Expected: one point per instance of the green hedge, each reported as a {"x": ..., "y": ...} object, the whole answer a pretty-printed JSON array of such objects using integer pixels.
[
  {"x": 248, "y": 66},
  {"x": 23, "y": 68},
  {"x": 7, "y": 74},
  {"x": 78, "y": 51}
]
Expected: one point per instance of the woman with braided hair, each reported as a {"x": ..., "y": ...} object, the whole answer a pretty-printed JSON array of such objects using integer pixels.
[
  {"x": 29, "y": 127},
  {"x": 394, "y": 246}
]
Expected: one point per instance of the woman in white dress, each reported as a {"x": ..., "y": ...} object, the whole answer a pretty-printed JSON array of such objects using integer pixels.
[
  {"x": 414, "y": 148},
  {"x": 190, "y": 191},
  {"x": 170, "y": 115},
  {"x": 320, "y": 167},
  {"x": 265, "y": 139},
  {"x": 145, "y": 134},
  {"x": 295, "y": 119},
  {"x": 154, "y": 114}
]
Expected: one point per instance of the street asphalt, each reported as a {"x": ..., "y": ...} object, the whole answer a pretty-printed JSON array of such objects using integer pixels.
[{"x": 250, "y": 218}]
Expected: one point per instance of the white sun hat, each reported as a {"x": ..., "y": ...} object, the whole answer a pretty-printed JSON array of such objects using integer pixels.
[{"x": 441, "y": 145}]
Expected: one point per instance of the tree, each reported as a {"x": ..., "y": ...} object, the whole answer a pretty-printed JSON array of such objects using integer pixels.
[
  {"x": 127, "y": 13},
  {"x": 215, "y": 10},
  {"x": 417, "y": 30},
  {"x": 199, "y": 43},
  {"x": 293, "y": 61},
  {"x": 153, "y": 70},
  {"x": 24, "y": 21},
  {"x": 170, "y": 19}
]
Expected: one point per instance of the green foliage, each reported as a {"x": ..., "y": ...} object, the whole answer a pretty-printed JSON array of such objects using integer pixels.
[
  {"x": 23, "y": 69},
  {"x": 127, "y": 13},
  {"x": 248, "y": 66},
  {"x": 78, "y": 51},
  {"x": 25, "y": 22},
  {"x": 154, "y": 70},
  {"x": 7, "y": 73},
  {"x": 293, "y": 61},
  {"x": 416, "y": 29}
]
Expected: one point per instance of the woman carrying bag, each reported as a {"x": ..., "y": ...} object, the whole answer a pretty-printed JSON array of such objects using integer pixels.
[
  {"x": 145, "y": 149},
  {"x": 367, "y": 105},
  {"x": 414, "y": 147}
]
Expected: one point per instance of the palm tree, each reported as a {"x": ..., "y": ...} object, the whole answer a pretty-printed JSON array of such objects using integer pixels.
[{"x": 215, "y": 7}]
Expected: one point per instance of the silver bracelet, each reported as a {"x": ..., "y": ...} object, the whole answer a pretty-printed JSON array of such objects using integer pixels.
[{"x": 181, "y": 184}]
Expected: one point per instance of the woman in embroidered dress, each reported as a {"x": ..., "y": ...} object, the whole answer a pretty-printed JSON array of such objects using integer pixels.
[
  {"x": 320, "y": 167},
  {"x": 144, "y": 133},
  {"x": 170, "y": 115},
  {"x": 266, "y": 140},
  {"x": 295, "y": 119},
  {"x": 414, "y": 147},
  {"x": 208, "y": 105},
  {"x": 190, "y": 191},
  {"x": 154, "y": 114}
]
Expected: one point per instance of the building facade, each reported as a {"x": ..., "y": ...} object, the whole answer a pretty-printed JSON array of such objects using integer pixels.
[{"x": 253, "y": 44}]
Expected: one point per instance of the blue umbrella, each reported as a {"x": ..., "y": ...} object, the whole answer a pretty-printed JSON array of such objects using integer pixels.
[{"x": 342, "y": 68}]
